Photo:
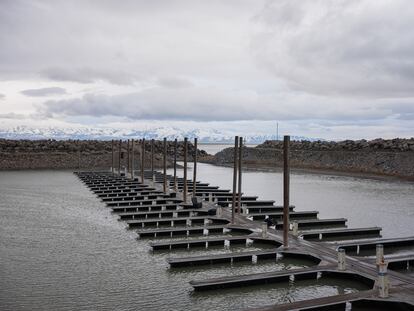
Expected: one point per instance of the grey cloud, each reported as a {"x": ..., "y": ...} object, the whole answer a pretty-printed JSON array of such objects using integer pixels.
[
  {"x": 212, "y": 104},
  {"x": 345, "y": 48},
  {"x": 44, "y": 91},
  {"x": 88, "y": 75},
  {"x": 13, "y": 115},
  {"x": 174, "y": 82},
  {"x": 2, "y": 96}
]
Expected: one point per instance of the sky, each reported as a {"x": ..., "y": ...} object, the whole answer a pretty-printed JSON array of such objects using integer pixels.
[{"x": 340, "y": 69}]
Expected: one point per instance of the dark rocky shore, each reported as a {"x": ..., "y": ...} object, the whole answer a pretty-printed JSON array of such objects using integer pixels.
[
  {"x": 72, "y": 154},
  {"x": 380, "y": 157}
]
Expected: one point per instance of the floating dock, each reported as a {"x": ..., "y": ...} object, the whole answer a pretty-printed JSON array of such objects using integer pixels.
[{"x": 172, "y": 219}]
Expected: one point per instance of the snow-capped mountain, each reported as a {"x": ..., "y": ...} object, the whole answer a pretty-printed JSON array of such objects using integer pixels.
[{"x": 125, "y": 131}]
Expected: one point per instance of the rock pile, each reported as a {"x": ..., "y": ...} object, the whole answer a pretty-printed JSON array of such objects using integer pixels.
[
  {"x": 67, "y": 154},
  {"x": 379, "y": 144}
]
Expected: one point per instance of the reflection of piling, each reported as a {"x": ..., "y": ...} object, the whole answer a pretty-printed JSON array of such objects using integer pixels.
[
  {"x": 165, "y": 165},
  {"x": 175, "y": 165},
  {"x": 195, "y": 168},
  {"x": 233, "y": 205},
  {"x": 112, "y": 158},
  {"x": 239, "y": 189},
  {"x": 132, "y": 159},
  {"x": 286, "y": 181},
  {"x": 185, "y": 171},
  {"x": 119, "y": 156},
  {"x": 143, "y": 160}
]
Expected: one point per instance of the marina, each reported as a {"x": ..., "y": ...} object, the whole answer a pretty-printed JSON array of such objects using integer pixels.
[{"x": 306, "y": 235}]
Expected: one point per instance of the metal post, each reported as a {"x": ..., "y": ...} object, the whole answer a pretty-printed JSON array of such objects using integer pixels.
[
  {"x": 165, "y": 165},
  {"x": 143, "y": 161},
  {"x": 286, "y": 182},
  {"x": 239, "y": 205},
  {"x": 113, "y": 164},
  {"x": 132, "y": 159},
  {"x": 379, "y": 254},
  {"x": 185, "y": 171},
  {"x": 233, "y": 204},
  {"x": 383, "y": 282},
  {"x": 119, "y": 157},
  {"x": 195, "y": 168},
  {"x": 152, "y": 160},
  {"x": 127, "y": 159},
  {"x": 175, "y": 165}
]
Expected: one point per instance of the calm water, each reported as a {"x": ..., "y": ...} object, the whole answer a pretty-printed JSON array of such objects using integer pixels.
[{"x": 61, "y": 249}]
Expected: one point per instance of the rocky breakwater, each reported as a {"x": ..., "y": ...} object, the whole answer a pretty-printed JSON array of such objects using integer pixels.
[
  {"x": 84, "y": 154},
  {"x": 394, "y": 157}
]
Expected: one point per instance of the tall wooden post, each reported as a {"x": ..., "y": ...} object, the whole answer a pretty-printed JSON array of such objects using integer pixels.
[
  {"x": 185, "y": 171},
  {"x": 113, "y": 164},
  {"x": 132, "y": 159},
  {"x": 152, "y": 160},
  {"x": 233, "y": 204},
  {"x": 286, "y": 182},
  {"x": 119, "y": 157},
  {"x": 143, "y": 161},
  {"x": 239, "y": 190},
  {"x": 127, "y": 159},
  {"x": 175, "y": 165},
  {"x": 165, "y": 165},
  {"x": 195, "y": 168},
  {"x": 79, "y": 155}
]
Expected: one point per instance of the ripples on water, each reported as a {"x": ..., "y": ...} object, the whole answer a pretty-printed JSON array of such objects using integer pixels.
[{"x": 61, "y": 249}]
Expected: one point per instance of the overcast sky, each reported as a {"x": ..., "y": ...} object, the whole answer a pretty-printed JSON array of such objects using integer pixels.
[{"x": 329, "y": 69}]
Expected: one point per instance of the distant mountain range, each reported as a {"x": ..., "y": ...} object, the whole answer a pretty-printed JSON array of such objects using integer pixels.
[{"x": 106, "y": 133}]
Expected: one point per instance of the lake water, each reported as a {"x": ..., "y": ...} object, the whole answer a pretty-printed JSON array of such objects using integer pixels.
[{"x": 62, "y": 249}]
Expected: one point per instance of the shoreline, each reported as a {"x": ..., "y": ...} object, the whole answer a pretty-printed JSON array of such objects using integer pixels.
[{"x": 317, "y": 171}]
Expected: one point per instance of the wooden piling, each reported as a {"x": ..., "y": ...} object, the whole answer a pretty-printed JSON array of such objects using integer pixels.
[
  {"x": 175, "y": 165},
  {"x": 132, "y": 159},
  {"x": 286, "y": 183},
  {"x": 119, "y": 157},
  {"x": 143, "y": 160},
  {"x": 239, "y": 189},
  {"x": 185, "y": 171},
  {"x": 195, "y": 168},
  {"x": 127, "y": 159},
  {"x": 152, "y": 159},
  {"x": 79, "y": 156},
  {"x": 165, "y": 165},
  {"x": 233, "y": 205},
  {"x": 113, "y": 164}
]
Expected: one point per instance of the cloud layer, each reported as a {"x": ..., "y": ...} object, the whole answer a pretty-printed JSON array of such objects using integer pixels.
[
  {"x": 337, "y": 67},
  {"x": 44, "y": 91}
]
